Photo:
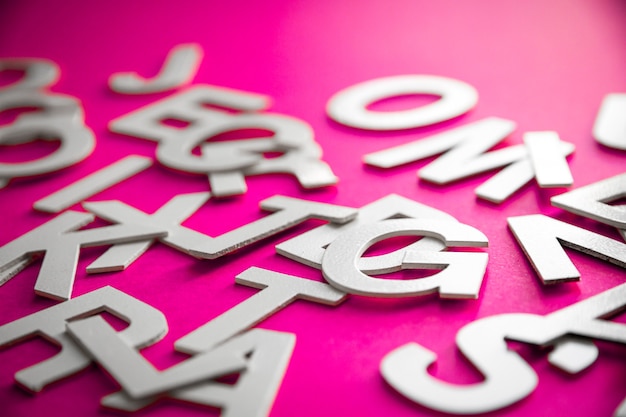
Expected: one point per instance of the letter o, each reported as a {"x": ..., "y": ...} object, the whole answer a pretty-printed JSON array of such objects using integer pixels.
[
  {"x": 349, "y": 106},
  {"x": 38, "y": 73}
]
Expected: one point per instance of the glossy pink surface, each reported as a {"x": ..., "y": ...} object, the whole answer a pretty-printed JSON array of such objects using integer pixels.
[{"x": 544, "y": 65}]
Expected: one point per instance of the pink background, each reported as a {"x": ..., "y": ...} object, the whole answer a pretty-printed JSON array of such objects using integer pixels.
[{"x": 544, "y": 65}]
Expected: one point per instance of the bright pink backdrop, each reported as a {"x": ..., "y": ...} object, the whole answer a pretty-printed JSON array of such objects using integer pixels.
[{"x": 545, "y": 65}]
